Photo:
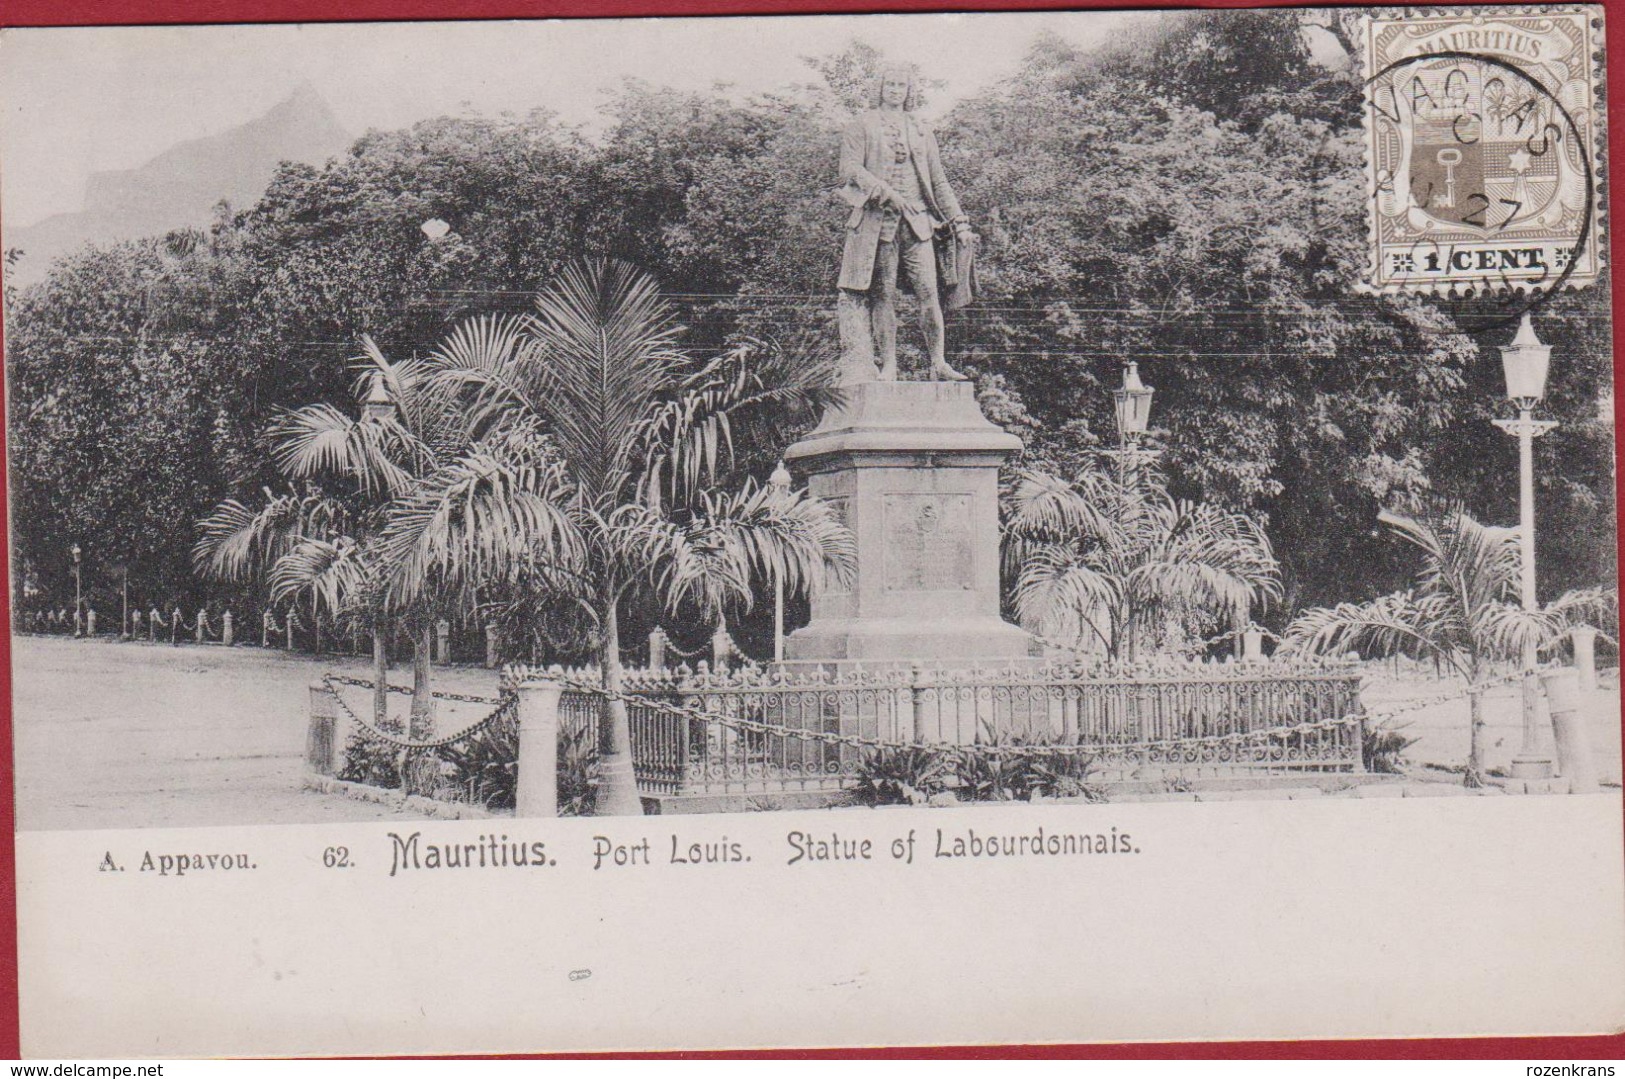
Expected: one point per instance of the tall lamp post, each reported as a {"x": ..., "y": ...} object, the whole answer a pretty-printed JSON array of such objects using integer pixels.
[
  {"x": 780, "y": 479},
  {"x": 1133, "y": 416},
  {"x": 124, "y": 577},
  {"x": 1133, "y": 400},
  {"x": 78, "y": 592},
  {"x": 1525, "y": 363}
]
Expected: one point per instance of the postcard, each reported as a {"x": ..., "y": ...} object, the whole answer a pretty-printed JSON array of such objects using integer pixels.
[{"x": 809, "y": 531}]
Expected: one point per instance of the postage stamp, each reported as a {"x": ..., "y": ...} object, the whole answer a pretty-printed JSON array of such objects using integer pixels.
[{"x": 1482, "y": 128}]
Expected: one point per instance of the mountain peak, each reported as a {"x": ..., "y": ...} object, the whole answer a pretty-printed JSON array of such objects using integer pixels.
[
  {"x": 304, "y": 98},
  {"x": 180, "y": 186}
]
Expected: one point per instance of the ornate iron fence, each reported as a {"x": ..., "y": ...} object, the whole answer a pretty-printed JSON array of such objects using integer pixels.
[{"x": 758, "y": 731}]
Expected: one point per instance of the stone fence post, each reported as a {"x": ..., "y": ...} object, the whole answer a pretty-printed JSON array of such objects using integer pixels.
[
  {"x": 90, "y": 621},
  {"x": 493, "y": 644},
  {"x": 657, "y": 649},
  {"x": 1584, "y": 640},
  {"x": 538, "y": 793},
  {"x": 1252, "y": 645},
  {"x": 442, "y": 640},
  {"x": 1574, "y": 761},
  {"x": 225, "y": 629},
  {"x": 324, "y": 743}
]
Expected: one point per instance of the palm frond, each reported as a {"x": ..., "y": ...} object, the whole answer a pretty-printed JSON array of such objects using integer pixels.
[
  {"x": 496, "y": 512},
  {"x": 238, "y": 543},
  {"x": 478, "y": 378},
  {"x": 334, "y": 571},
  {"x": 686, "y": 437},
  {"x": 318, "y": 441},
  {"x": 1595, "y": 607},
  {"x": 1506, "y": 631},
  {"x": 1395, "y": 624},
  {"x": 1122, "y": 552},
  {"x": 605, "y": 341},
  {"x": 1061, "y": 596},
  {"x": 1478, "y": 564},
  {"x": 1048, "y": 508}
]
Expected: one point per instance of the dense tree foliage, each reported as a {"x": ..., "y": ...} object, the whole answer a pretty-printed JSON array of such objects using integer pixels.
[{"x": 1192, "y": 200}]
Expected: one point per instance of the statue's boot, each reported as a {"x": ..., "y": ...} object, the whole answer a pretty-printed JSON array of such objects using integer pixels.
[
  {"x": 888, "y": 370},
  {"x": 943, "y": 373}
]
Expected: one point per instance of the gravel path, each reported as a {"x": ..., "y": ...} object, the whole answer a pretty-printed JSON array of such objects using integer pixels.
[{"x": 137, "y": 735}]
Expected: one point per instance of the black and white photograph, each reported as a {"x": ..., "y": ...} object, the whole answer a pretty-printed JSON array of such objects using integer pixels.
[{"x": 1079, "y": 435}]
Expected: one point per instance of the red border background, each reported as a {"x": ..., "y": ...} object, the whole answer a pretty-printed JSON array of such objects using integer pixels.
[{"x": 138, "y": 12}]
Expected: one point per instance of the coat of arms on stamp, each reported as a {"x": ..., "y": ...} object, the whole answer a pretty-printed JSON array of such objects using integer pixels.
[{"x": 1482, "y": 127}]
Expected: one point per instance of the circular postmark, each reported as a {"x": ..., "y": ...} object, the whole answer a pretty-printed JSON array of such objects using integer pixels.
[{"x": 1472, "y": 163}]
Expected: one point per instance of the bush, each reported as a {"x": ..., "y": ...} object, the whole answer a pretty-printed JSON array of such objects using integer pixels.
[
  {"x": 484, "y": 767},
  {"x": 1059, "y": 774},
  {"x": 902, "y": 776},
  {"x": 1382, "y": 748},
  {"x": 578, "y": 773},
  {"x": 370, "y": 760},
  {"x": 1002, "y": 770},
  {"x": 1010, "y": 767},
  {"x": 984, "y": 776}
]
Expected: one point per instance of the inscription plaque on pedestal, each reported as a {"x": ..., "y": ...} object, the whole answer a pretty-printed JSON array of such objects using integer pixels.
[
  {"x": 928, "y": 543},
  {"x": 912, "y": 468}
]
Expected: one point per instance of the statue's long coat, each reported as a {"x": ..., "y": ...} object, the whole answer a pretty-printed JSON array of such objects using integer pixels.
[{"x": 863, "y": 159}]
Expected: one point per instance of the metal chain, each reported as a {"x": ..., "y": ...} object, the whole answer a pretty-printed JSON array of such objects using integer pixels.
[
  {"x": 858, "y": 741},
  {"x": 680, "y": 654},
  {"x": 1227, "y": 637},
  {"x": 1407, "y": 707},
  {"x": 1450, "y": 695},
  {"x": 466, "y": 698},
  {"x": 478, "y": 725},
  {"x": 1051, "y": 643},
  {"x": 704, "y": 649}
]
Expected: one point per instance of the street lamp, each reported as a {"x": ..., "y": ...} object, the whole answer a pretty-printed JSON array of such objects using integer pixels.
[
  {"x": 1525, "y": 362},
  {"x": 1133, "y": 401},
  {"x": 780, "y": 479},
  {"x": 1133, "y": 417},
  {"x": 1133, "y": 405},
  {"x": 78, "y": 592},
  {"x": 377, "y": 405}
]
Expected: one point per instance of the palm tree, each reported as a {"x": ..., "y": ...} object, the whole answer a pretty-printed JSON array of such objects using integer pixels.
[
  {"x": 1117, "y": 558},
  {"x": 325, "y": 546},
  {"x": 1461, "y": 613},
  {"x": 591, "y": 439},
  {"x": 298, "y": 541}
]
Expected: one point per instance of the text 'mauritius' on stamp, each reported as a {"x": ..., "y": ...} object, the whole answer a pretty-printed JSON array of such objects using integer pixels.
[{"x": 1482, "y": 128}]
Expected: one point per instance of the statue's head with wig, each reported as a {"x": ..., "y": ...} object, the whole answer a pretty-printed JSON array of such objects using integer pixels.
[{"x": 896, "y": 84}]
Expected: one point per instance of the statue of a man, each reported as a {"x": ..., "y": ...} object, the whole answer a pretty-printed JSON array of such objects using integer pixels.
[{"x": 891, "y": 176}]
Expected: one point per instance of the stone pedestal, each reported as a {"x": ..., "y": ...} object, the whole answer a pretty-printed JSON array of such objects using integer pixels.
[{"x": 912, "y": 468}]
